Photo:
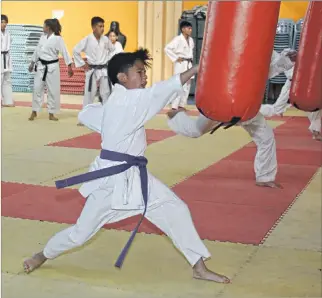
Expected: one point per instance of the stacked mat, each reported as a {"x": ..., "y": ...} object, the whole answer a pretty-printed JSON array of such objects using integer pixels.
[
  {"x": 283, "y": 40},
  {"x": 74, "y": 85},
  {"x": 25, "y": 39}
]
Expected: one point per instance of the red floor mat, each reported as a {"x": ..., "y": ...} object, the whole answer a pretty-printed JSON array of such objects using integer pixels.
[
  {"x": 224, "y": 202},
  {"x": 93, "y": 140}
]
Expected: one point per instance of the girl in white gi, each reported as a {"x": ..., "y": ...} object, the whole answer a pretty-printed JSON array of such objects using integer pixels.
[
  {"x": 46, "y": 60},
  {"x": 97, "y": 49},
  {"x": 113, "y": 37},
  {"x": 121, "y": 123},
  {"x": 6, "y": 65},
  {"x": 180, "y": 51},
  {"x": 265, "y": 165}
]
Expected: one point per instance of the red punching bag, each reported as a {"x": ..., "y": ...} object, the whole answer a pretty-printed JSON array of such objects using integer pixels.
[
  {"x": 236, "y": 54},
  {"x": 306, "y": 89}
]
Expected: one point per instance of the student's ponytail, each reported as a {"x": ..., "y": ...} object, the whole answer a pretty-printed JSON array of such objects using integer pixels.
[{"x": 54, "y": 26}]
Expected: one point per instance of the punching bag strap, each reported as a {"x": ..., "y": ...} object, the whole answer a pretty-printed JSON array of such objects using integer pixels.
[{"x": 231, "y": 123}]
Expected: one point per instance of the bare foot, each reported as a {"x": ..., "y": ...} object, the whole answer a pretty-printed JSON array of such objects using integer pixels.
[
  {"x": 317, "y": 136},
  {"x": 271, "y": 184},
  {"x": 52, "y": 117},
  {"x": 80, "y": 124},
  {"x": 32, "y": 116},
  {"x": 34, "y": 262},
  {"x": 200, "y": 271}
]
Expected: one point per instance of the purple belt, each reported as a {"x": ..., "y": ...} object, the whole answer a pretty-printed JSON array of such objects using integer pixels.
[{"x": 137, "y": 161}]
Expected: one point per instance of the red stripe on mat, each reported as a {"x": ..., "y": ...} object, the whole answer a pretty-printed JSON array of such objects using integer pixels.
[
  {"x": 224, "y": 202},
  {"x": 93, "y": 140}
]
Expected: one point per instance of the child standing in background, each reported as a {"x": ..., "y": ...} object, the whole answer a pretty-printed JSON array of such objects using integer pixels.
[
  {"x": 113, "y": 37},
  {"x": 6, "y": 65}
]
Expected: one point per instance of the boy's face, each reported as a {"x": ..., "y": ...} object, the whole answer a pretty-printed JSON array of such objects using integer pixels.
[
  {"x": 135, "y": 77},
  {"x": 98, "y": 29},
  {"x": 3, "y": 25},
  {"x": 112, "y": 36},
  {"x": 187, "y": 31}
]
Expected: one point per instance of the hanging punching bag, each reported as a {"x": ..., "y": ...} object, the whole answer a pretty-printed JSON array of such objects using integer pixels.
[
  {"x": 306, "y": 89},
  {"x": 235, "y": 58}
]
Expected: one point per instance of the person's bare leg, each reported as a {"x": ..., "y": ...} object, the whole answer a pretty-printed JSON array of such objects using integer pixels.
[
  {"x": 32, "y": 116},
  {"x": 200, "y": 271},
  {"x": 271, "y": 184},
  {"x": 34, "y": 262},
  {"x": 52, "y": 117}
]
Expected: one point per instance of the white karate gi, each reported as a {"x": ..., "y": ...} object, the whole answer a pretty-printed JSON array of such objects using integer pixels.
[
  {"x": 6, "y": 84},
  {"x": 48, "y": 49},
  {"x": 180, "y": 48},
  {"x": 117, "y": 49},
  {"x": 315, "y": 121},
  {"x": 279, "y": 63},
  {"x": 265, "y": 164},
  {"x": 121, "y": 123},
  {"x": 97, "y": 53}
]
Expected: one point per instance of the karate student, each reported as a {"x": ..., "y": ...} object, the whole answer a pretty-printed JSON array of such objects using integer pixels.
[
  {"x": 133, "y": 190},
  {"x": 97, "y": 49},
  {"x": 46, "y": 60},
  {"x": 180, "y": 51},
  {"x": 6, "y": 65},
  {"x": 115, "y": 26},
  {"x": 113, "y": 37},
  {"x": 265, "y": 165}
]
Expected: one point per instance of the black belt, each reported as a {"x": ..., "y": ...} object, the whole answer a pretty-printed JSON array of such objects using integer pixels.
[
  {"x": 95, "y": 67},
  {"x": 187, "y": 59},
  {"x": 4, "y": 53},
  {"x": 46, "y": 63}
]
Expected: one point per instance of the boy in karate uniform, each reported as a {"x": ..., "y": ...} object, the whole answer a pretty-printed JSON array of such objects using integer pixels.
[
  {"x": 97, "y": 49},
  {"x": 133, "y": 191},
  {"x": 265, "y": 165},
  {"x": 6, "y": 65},
  {"x": 180, "y": 51}
]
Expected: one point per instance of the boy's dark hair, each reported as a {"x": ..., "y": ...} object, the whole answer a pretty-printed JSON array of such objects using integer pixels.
[
  {"x": 4, "y": 18},
  {"x": 121, "y": 62},
  {"x": 54, "y": 26},
  {"x": 96, "y": 20},
  {"x": 184, "y": 24}
]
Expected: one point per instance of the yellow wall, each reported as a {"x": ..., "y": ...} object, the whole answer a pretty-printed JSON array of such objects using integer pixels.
[
  {"x": 77, "y": 16},
  {"x": 289, "y": 9}
]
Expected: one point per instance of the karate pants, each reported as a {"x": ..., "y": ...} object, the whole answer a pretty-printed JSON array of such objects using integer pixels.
[
  {"x": 53, "y": 89},
  {"x": 181, "y": 100},
  {"x": 165, "y": 210},
  {"x": 265, "y": 164},
  {"x": 281, "y": 105},
  {"x": 104, "y": 89},
  {"x": 315, "y": 121},
  {"x": 6, "y": 88}
]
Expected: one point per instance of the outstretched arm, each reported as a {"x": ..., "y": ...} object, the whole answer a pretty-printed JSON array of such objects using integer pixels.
[{"x": 91, "y": 116}]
